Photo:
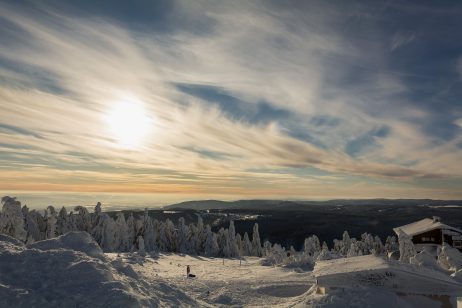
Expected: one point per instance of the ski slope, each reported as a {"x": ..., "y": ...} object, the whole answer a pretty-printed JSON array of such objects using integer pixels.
[{"x": 232, "y": 283}]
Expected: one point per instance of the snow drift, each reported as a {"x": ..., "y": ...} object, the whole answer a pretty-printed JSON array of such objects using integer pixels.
[{"x": 72, "y": 271}]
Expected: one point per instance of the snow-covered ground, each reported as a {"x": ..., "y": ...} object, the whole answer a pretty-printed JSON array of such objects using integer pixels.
[
  {"x": 72, "y": 271},
  {"x": 245, "y": 283}
]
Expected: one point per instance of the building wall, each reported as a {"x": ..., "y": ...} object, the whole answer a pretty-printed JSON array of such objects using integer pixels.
[
  {"x": 429, "y": 237},
  {"x": 435, "y": 237}
]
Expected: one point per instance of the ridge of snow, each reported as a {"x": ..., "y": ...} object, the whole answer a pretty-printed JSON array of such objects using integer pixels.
[{"x": 52, "y": 274}]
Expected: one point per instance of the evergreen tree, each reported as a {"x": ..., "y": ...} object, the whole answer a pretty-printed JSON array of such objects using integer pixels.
[
  {"x": 131, "y": 232},
  {"x": 211, "y": 243},
  {"x": 256, "y": 245},
  {"x": 11, "y": 219},
  {"x": 247, "y": 245},
  {"x": 406, "y": 247},
  {"x": 183, "y": 236},
  {"x": 51, "y": 219},
  {"x": 62, "y": 225},
  {"x": 150, "y": 236},
  {"x": 233, "y": 247}
]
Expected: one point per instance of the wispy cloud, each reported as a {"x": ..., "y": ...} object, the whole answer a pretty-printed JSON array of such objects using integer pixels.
[{"x": 252, "y": 87}]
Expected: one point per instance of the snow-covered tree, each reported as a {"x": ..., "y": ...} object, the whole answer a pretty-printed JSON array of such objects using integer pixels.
[
  {"x": 367, "y": 244},
  {"x": 199, "y": 235},
  {"x": 355, "y": 249},
  {"x": 406, "y": 247},
  {"x": 183, "y": 236},
  {"x": 233, "y": 248},
  {"x": 450, "y": 258},
  {"x": 346, "y": 242},
  {"x": 62, "y": 224},
  {"x": 267, "y": 248},
  {"x": 211, "y": 243},
  {"x": 131, "y": 231},
  {"x": 121, "y": 233},
  {"x": 246, "y": 245},
  {"x": 256, "y": 245},
  {"x": 223, "y": 243},
  {"x": 239, "y": 244},
  {"x": 167, "y": 236},
  {"x": 275, "y": 256},
  {"x": 325, "y": 254},
  {"x": 109, "y": 236},
  {"x": 140, "y": 242},
  {"x": 11, "y": 219},
  {"x": 391, "y": 244},
  {"x": 83, "y": 221},
  {"x": 311, "y": 246},
  {"x": 192, "y": 239},
  {"x": 150, "y": 236},
  {"x": 31, "y": 225},
  {"x": 51, "y": 219},
  {"x": 379, "y": 248}
]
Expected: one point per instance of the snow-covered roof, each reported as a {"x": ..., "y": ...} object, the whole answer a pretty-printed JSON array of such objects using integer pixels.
[
  {"x": 422, "y": 226},
  {"x": 348, "y": 265},
  {"x": 377, "y": 272}
]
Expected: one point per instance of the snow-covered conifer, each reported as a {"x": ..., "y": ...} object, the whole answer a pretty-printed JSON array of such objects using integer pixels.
[
  {"x": 311, "y": 246},
  {"x": 200, "y": 235},
  {"x": 11, "y": 219},
  {"x": 239, "y": 244},
  {"x": 246, "y": 245},
  {"x": 233, "y": 248},
  {"x": 211, "y": 244},
  {"x": 406, "y": 247},
  {"x": 51, "y": 219},
  {"x": 140, "y": 242},
  {"x": 62, "y": 225},
  {"x": 109, "y": 236},
  {"x": 121, "y": 233},
  {"x": 183, "y": 236},
  {"x": 267, "y": 248},
  {"x": 256, "y": 245},
  {"x": 391, "y": 244},
  {"x": 30, "y": 225},
  {"x": 346, "y": 243},
  {"x": 83, "y": 220},
  {"x": 150, "y": 236},
  {"x": 131, "y": 231}
]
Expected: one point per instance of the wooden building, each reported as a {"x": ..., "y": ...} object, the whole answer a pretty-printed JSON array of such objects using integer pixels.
[{"x": 431, "y": 233}]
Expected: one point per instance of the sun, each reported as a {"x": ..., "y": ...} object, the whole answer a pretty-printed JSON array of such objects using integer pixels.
[{"x": 129, "y": 123}]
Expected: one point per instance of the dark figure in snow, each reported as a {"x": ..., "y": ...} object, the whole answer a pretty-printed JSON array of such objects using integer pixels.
[{"x": 188, "y": 270}]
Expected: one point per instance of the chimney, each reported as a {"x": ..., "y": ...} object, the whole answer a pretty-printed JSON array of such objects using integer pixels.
[{"x": 436, "y": 219}]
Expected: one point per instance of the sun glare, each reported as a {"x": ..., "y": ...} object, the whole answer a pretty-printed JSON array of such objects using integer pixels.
[{"x": 129, "y": 123}]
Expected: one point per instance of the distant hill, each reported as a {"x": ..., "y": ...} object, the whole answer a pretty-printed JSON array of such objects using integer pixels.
[{"x": 201, "y": 205}]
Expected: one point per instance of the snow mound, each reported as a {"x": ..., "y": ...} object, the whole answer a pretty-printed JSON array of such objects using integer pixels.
[
  {"x": 11, "y": 240},
  {"x": 424, "y": 258},
  {"x": 52, "y": 274},
  {"x": 450, "y": 258},
  {"x": 77, "y": 241}
]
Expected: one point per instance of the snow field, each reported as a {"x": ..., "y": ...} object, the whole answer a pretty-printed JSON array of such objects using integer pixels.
[{"x": 249, "y": 284}]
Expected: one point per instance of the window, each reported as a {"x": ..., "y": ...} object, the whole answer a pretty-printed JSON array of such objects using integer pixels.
[{"x": 457, "y": 244}]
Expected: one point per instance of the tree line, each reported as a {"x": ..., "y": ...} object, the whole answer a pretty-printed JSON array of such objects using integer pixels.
[{"x": 125, "y": 234}]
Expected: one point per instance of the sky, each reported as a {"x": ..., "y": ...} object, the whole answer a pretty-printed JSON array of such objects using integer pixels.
[{"x": 180, "y": 100}]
